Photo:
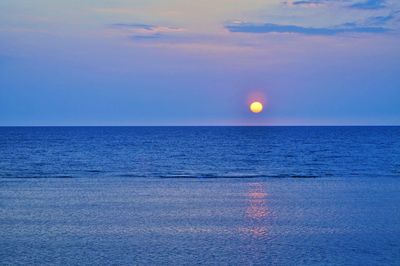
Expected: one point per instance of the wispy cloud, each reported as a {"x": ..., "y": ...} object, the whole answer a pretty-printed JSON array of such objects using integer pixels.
[
  {"x": 306, "y": 3},
  {"x": 277, "y": 28},
  {"x": 146, "y": 31},
  {"x": 383, "y": 20},
  {"x": 356, "y": 4},
  {"x": 369, "y": 4},
  {"x": 364, "y": 22},
  {"x": 314, "y": 3}
]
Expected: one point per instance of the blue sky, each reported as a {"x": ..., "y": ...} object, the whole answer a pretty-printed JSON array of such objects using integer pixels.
[{"x": 178, "y": 62}]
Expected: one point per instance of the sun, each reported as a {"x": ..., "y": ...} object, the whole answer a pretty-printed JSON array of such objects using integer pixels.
[{"x": 256, "y": 107}]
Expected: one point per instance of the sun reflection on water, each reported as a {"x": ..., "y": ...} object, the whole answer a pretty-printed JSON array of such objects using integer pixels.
[
  {"x": 256, "y": 211},
  {"x": 257, "y": 202}
]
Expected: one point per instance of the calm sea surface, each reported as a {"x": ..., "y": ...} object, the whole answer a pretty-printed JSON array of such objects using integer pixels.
[
  {"x": 200, "y": 152},
  {"x": 200, "y": 195}
]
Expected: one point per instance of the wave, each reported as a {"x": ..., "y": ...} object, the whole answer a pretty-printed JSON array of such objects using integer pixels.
[
  {"x": 163, "y": 176},
  {"x": 39, "y": 177},
  {"x": 238, "y": 175},
  {"x": 202, "y": 175}
]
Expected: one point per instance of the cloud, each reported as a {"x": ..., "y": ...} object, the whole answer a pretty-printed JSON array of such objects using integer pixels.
[
  {"x": 141, "y": 31},
  {"x": 382, "y": 20},
  {"x": 133, "y": 26},
  {"x": 359, "y": 4},
  {"x": 313, "y": 3},
  {"x": 307, "y": 2},
  {"x": 369, "y": 4},
  {"x": 146, "y": 37},
  {"x": 277, "y": 28}
]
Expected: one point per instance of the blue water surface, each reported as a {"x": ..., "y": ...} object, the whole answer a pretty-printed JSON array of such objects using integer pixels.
[
  {"x": 199, "y": 152},
  {"x": 200, "y": 196}
]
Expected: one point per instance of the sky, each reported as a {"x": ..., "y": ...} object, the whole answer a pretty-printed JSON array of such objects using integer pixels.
[{"x": 180, "y": 62}]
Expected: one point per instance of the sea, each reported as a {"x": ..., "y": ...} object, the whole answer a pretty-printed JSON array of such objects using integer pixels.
[{"x": 200, "y": 195}]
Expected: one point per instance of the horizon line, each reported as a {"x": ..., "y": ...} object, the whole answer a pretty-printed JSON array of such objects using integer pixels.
[{"x": 283, "y": 125}]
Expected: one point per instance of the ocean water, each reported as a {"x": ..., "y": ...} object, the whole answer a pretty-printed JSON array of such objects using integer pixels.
[
  {"x": 204, "y": 195},
  {"x": 199, "y": 152}
]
